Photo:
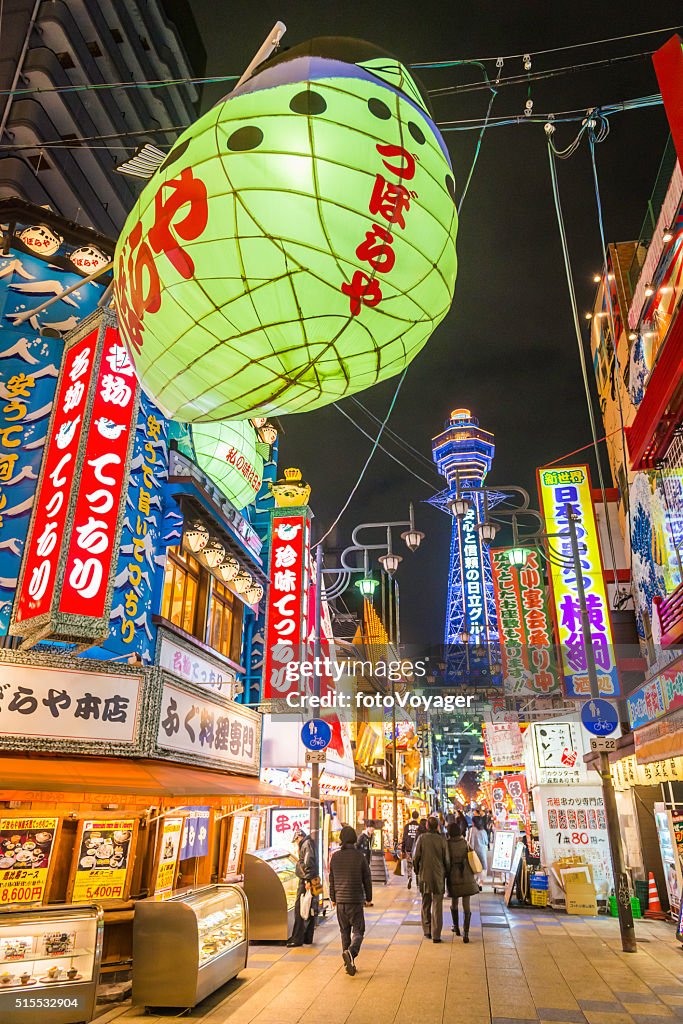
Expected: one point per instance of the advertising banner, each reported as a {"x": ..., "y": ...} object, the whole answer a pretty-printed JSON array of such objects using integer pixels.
[
  {"x": 282, "y": 822},
  {"x": 63, "y": 704},
  {"x": 65, "y": 588},
  {"x": 209, "y": 728},
  {"x": 558, "y": 489},
  {"x": 525, "y": 626},
  {"x": 29, "y": 368},
  {"x": 504, "y": 744},
  {"x": 558, "y": 753},
  {"x": 26, "y": 849},
  {"x": 286, "y": 625},
  {"x": 103, "y": 860},
  {"x": 195, "y": 841},
  {"x": 572, "y": 823}
]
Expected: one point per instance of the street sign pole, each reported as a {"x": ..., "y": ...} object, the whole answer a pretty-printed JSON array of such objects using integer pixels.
[
  {"x": 315, "y": 767},
  {"x": 621, "y": 882}
]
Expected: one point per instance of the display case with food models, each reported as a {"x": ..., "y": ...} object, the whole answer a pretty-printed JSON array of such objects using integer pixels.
[
  {"x": 271, "y": 884},
  {"x": 188, "y": 945},
  {"x": 49, "y": 964}
]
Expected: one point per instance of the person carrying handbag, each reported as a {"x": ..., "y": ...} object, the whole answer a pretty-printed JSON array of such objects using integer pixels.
[
  {"x": 461, "y": 882},
  {"x": 307, "y": 897}
]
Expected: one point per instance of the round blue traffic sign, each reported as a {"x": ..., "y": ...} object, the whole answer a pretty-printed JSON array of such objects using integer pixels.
[
  {"x": 316, "y": 734},
  {"x": 599, "y": 717}
]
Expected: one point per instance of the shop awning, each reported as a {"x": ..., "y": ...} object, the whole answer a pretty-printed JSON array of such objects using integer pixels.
[{"x": 116, "y": 776}]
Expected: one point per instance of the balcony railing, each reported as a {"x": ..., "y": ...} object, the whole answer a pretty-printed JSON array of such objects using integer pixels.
[
  {"x": 670, "y": 611},
  {"x": 654, "y": 206}
]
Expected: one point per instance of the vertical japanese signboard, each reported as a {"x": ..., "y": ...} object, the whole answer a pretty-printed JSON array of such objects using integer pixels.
[
  {"x": 472, "y": 576},
  {"x": 167, "y": 855},
  {"x": 65, "y": 586},
  {"x": 525, "y": 626},
  {"x": 558, "y": 489},
  {"x": 286, "y": 627}
]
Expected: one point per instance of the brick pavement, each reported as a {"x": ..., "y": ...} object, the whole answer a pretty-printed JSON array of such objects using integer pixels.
[{"x": 522, "y": 966}]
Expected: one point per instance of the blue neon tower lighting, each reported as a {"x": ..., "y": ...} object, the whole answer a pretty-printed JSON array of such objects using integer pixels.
[{"x": 463, "y": 454}]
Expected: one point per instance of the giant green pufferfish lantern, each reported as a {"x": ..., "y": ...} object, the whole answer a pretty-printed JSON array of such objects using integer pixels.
[{"x": 297, "y": 244}]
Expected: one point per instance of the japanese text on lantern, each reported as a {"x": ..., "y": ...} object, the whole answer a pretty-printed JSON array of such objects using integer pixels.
[
  {"x": 286, "y": 595},
  {"x": 86, "y": 576},
  {"x": 52, "y": 498},
  {"x": 527, "y": 649},
  {"x": 142, "y": 514},
  {"x": 389, "y": 201},
  {"x": 181, "y": 213},
  {"x": 559, "y": 489}
]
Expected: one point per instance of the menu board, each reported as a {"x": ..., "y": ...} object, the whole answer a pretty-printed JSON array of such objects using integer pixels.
[
  {"x": 503, "y": 849},
  {"x": 167, "y": 856},
  {"x": 233, "y": 863},
  {"x": 26, "y": 848},
  {"x": 103, "y": 860},
  {"x": 253, "y": 832}
]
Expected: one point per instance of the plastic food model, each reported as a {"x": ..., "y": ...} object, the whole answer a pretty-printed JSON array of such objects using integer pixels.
[{"x": 296, "y": 245}]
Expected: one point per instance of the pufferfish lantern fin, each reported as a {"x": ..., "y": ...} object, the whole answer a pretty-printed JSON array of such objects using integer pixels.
[{"x": 394, "y": 73}]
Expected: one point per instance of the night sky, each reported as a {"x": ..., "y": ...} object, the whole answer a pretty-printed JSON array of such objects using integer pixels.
[{"x": 507, "y": 350}]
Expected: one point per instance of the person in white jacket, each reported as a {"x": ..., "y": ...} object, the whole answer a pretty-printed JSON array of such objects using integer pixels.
[{"x": 478, "y": 838}]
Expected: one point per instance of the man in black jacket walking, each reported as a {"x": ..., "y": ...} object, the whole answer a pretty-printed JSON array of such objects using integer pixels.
[{"x": 350, "y": 888}]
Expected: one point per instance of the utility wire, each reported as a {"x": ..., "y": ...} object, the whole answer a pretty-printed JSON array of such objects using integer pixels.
[
  {"x": 397, "y": 437},
  {"x": 555, "y": 49},
  {"x": 386, "y": 451},
  {"x": 161, "y": 83},
  {"x": 367, "y": 461},
  {"x": 579, "y": 341},
  {"x": 494, "y": 93},
  {"x": 593, "y": 138},
  {"x": 455, "y": 90}
]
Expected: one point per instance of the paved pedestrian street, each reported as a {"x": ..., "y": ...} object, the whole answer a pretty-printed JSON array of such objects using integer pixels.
[{"x": 521, "y": 966}]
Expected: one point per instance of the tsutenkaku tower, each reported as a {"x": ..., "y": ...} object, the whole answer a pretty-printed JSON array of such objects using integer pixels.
[{"x": 463, "y": 454}]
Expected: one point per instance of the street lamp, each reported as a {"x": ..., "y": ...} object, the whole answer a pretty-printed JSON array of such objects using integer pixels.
[
  {"x": 517, "y": 556},
  {"x": 488, "y": 531},
  {"x": 412, "y": 537},
  {"x": 367, "y": 585}
]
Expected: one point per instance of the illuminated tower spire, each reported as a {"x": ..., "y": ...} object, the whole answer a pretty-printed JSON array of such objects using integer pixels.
[{"x": 463, "y": 454}]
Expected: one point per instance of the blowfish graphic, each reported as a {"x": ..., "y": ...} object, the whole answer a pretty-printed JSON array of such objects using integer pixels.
[
  {"x": 65, "y": 434},
  {"x": 296, "y": 245},
  {"x": 109, "y": 429}
]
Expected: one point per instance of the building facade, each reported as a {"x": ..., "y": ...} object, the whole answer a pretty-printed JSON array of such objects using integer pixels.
[{"x": 62, "y": 144}]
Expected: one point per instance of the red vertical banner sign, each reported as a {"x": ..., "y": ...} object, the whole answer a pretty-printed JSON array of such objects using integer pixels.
[
  {"x": 103, "y": 475},
  {"x": 65, "y": 587},
  {"x": 53, "y": 495},
  {"x": 287, "y": 611}
]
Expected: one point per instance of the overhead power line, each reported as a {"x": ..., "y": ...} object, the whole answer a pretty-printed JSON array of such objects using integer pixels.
[
  {"x": 526, "y": 77},
  {"x": 555, "y": 49},
  {"x": 164, "y": 83}
]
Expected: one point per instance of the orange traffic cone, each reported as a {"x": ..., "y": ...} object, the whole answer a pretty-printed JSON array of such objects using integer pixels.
[{"x": 654, "y": 909}]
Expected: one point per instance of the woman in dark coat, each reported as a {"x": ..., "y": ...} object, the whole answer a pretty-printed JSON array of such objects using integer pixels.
[{"x": 461, "y": 883}]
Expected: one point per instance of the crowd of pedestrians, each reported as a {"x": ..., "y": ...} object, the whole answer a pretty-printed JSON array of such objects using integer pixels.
[{"x": 446, "y": 855}]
